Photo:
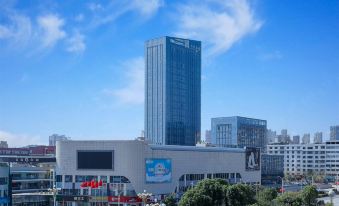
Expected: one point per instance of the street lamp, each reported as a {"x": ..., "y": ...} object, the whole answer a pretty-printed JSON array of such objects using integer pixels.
[
  {"x": 54, "y": 191},
  {"x": 331, "y": 194}
]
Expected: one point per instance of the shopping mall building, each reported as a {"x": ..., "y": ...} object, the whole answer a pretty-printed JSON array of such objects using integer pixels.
[{"x": 127, "y": 168}]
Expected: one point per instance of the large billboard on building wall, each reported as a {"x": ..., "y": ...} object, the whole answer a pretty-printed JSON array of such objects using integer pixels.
[
  {"x": 158, "y": 170},
  {"x": 92, "y": 159},
  {"x": 252, "y": 160}
]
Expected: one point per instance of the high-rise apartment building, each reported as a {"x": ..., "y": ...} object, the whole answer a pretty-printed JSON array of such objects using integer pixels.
[
  {"x": 172, "y": 91},
  {"x": 296, "y": 139},
  {"x": 318, "y": 138},
  {"x": 239, "y": 132},
  {"x": 334, "y": 132},
  {"x": 284, "y": 137},
  {"x": 306, "y": 138},
  {"x": 55, "y": 137},
  {"x": 271, "y": 136}
]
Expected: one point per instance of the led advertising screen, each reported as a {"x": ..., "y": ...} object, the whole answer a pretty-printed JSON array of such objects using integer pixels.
[
  {"x": 95, "y": 160},
  {"x": 158, "y": 170},
  {"x": 252, "y": 158}
]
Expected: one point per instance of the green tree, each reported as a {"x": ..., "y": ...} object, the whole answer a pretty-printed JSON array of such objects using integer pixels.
[
  {"x": 210, "y": 190},
  {"x": 170, "y": 200},
  {"x": 195, "y": 197},
  {"x": 240, "y": 195},
  {"x": 266, "y": 196},
  {"x": 217, "y": 192},
  {"x": 213, "y": 188},
  {"x": 289, "y": 199},
  {"x": 309, "y": 195}
]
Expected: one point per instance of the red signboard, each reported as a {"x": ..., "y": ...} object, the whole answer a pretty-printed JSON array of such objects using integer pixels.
[
  {"x": 28, "y": 151},
  {"x": 124, "y": 199}
]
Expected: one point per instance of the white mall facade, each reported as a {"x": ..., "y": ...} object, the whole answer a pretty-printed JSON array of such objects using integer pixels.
[{"x": 130, "y": 167}]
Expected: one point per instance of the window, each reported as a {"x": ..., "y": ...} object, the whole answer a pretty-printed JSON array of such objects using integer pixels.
[
  {"x": 118, "y": 179},
  {"x": 103, "y": 179},
  {"x": 3, "y": 180},
  {"x": 68, "y": 178},
  {"x": 80, "y": 178},
  {"x": 58, "y": 178}
]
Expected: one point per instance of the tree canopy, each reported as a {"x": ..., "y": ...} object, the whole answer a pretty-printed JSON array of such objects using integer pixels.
[{"x": 218, "y": 192}]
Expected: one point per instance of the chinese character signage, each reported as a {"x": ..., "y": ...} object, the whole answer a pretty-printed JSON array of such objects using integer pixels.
[
  {"x": 252, "y": 156},
  {"x": 158, "y": 170},
  {"x": 124, "y": 199},
  {"x": 72, "y": 198}
]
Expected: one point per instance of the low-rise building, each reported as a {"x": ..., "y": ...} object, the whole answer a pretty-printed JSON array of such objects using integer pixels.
[
  {"x": 130, "y": 167},
  {"x": 303, "y": 159},
  {"x": 239, "y": 132},
  {"x": 29, "y": 182},
  {"x": 5, "y": 192}
]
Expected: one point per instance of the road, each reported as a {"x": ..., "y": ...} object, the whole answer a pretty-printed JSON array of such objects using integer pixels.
[{"x": 328, "y": 199}]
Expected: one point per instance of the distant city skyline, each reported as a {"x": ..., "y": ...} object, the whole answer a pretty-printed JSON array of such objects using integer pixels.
[{"x": 78, "y": 68}]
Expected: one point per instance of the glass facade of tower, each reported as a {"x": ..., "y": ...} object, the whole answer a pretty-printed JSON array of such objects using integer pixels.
[
  {"x": 239, "y": 132},
  {"x": 334, "y": 132},
  {"x": 172, "y": 91}
]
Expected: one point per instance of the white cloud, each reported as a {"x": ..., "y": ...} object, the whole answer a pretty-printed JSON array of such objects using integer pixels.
[
  {"x": 18, "y": 29},
  {"x": 95, "y": 6},
  {"x": 219, "y": 23},
  {"x": 21, "y": 32},
  {"x": 147, "y": 7},
  {"x": 104, "y": 14},
  {"x": 133, "y": 91},
  {"x": 19, "y": 140},
  {"x": 52, "y": 31},
  {"x": 76, "y": 43}
]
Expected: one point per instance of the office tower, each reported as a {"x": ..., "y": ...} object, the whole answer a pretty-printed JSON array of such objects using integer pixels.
[
  {"x": 208, "y": 138},
  {"x": 239, "y": 132},
  {"x": 55, "y": 137},
  {"x": 334, "y": 132},
  {"x": 318, "y": 138},
  {"x": 296, "y": 139},
  {"x": 306, "y": 139},
  {"x": 172, "y": 91},
  {"x": 271, "y": 136}
]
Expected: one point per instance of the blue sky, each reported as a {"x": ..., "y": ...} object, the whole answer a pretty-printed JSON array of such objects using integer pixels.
[{"x": 76, "y": 67}]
